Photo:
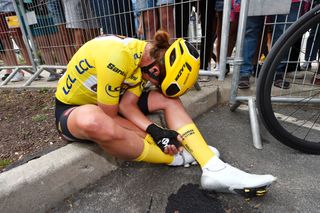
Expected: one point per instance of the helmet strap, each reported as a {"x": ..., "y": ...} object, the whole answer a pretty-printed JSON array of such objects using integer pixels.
[{"x": 146, "y": 69}]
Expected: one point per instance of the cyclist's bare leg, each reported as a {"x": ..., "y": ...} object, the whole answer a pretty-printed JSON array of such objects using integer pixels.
[
  {"x": 175, "y": 114},
  {"x": 89, "y": 122}
]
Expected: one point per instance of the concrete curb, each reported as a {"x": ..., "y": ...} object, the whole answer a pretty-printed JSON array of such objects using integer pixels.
[
  {"x": 38, "y": 184},
  {"x": 41, "y": 183}
]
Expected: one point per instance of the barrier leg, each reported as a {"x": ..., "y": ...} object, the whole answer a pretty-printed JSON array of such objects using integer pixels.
[
  {"x": 197, "y": 86},
  {"x": 254, "y": 123},
  {"x": 5, "y": 82},
  {"x": 34, "y": 76},
  {"x": 234, "y": 106}
]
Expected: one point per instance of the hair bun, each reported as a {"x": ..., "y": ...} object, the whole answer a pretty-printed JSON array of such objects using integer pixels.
[{"x": 161, "y": 39}]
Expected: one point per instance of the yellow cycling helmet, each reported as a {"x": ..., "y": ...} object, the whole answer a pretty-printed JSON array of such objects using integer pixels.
[{"x": 182, "y": 64}]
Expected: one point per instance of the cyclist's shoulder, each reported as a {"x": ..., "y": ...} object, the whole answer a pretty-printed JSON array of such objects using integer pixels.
[{"x": 115, "y": 40}]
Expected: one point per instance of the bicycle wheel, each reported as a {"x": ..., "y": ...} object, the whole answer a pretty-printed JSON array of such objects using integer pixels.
[{"x": 291, "y": 115}]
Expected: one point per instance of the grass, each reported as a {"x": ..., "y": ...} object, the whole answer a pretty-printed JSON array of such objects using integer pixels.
[
  {"x": 4, "y": 163},
  {"x": 43, "y": 90},
  {"x": 39, "y": 117}
]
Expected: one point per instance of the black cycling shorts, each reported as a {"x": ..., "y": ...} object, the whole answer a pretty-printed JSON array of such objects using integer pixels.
[{"x": 62, "y": 112}]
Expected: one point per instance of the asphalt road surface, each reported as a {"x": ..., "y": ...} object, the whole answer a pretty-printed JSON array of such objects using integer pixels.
[{"x": 140, "y": 187}]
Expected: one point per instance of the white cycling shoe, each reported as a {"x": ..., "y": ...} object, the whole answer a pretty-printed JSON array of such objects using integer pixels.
[
  {"x": 222, "y": 177},
  {"x": 185, "y": 159}
]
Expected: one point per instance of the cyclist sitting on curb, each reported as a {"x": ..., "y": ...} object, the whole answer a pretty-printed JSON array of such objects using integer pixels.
[{"x": 100, "y": 98}]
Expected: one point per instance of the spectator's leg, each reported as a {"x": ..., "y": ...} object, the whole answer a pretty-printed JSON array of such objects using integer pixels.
[
  {"x": 78, "y": 38},
  {"x": 280, "y": 28},
  {"x": 232, "y": 36},
  {"x": 253, "y": 28},
  {"x": 294, "y": 56},
  {"x": 207, "y": 27},
  {"x": 260, "y": 50},
  {"x": 218, "y": 15},
  {"x": 182, "y": 14},
  {"x": 58, "y": 48},
  {"x": 44, "y": 50},
  {"x": 67, "y": 41},
  {"x": 56, "y": 20},
  {"x": 150, "y": 19},
  {"x": 10, "y": 57},
  {"x": 166, "y": 19},
  {"x": 8, "y": 53},
  {"x": 127, "y": 17},
  {"x": 313, "y": 44},
  {"x": 17, "y": 37}
]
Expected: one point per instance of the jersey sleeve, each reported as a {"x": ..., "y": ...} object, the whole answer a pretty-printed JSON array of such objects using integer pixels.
[
  {"x": 111, "y": 72},
  {"x": 137, "y": 89}
]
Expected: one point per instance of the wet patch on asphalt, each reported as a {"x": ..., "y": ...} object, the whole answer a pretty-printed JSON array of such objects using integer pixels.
[{"x": 190, "y": 198}]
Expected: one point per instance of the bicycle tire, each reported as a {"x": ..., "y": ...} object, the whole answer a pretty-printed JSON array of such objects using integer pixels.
[{"x": 266, "y": 107}]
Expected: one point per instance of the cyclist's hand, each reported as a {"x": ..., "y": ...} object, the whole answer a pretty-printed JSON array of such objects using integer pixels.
[
  {"x": 166, "y": 139},
  {"x": 172, "y": 149}
]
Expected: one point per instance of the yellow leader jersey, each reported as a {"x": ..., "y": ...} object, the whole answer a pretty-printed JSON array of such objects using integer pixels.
[{"x": 102, "y": 70}]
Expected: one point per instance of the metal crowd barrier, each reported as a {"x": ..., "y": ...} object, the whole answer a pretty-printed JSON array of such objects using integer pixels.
[
  {"x": 53, "y": 30},
  {"x": 257, "y": 8}
]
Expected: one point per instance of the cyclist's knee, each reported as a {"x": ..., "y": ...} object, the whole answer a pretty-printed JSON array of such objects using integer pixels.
[
  {"x": 172, "y": 103},
  {"x": 94, "y": 127},
  {"x": 166, "y": 102}
]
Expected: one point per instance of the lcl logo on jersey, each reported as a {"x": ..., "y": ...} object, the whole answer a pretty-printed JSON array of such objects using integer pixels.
[
  {"x": 83, "y": 66},
  {"x": 115, "y": 91}
]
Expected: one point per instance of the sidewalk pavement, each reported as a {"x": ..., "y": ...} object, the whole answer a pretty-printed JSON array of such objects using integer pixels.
[{"x": 41, "y": 183}]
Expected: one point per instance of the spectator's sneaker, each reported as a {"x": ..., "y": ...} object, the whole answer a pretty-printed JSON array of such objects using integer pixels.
[
  {"x": 216, "y": 68},
  {"x": 38, "y": 78},
  {"x": 315, "y": 79},
  {"x": 5, "y": 76},
  {"x": 306, "y": 66},
  {"x": 53, "y": 77},
  {"x": 281, "y": 83},
  {"x": 227, "y": 70},
  {"x": 244, "y": 82},
  {"x": 185, "y": 159},
  {"x": 17, "y": 77},
  {"x": 221, "y": 177}
]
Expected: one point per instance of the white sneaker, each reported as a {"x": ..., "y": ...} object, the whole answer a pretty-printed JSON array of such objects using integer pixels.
[
  {"x": 217, "y": 68},
  {"x": 17, "y": 77},
  {"x": 185, "y": 159},
  {"x": 221, "y": 177},
  {"x": 306, "y": 66}
]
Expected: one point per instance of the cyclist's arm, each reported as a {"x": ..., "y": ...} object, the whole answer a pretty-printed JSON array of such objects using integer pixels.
[
  {"x": 111, "y": 110},
  {"x": 110, "y": 76},
  {"x": 130, "y": 110},
  {"x": 108, "y": 95}
]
